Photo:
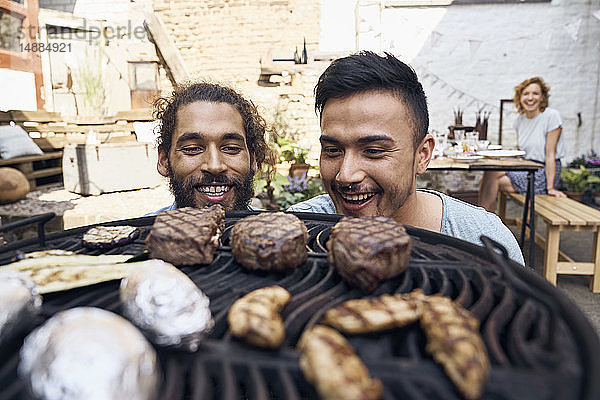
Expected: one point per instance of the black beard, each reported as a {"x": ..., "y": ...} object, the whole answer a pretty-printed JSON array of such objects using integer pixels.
[{"x": 183, "y": 189}]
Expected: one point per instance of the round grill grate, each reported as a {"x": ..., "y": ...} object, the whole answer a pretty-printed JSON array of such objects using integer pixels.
[{"x": 539, "y": 344}]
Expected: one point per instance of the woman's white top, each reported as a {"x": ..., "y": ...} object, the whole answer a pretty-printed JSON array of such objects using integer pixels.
[{"x": 532, "y": 132}]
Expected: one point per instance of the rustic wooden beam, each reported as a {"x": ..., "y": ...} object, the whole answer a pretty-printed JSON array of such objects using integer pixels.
[{"x": 166, "y": 50}]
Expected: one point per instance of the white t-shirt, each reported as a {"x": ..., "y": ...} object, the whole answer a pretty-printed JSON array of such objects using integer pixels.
[{"x": 532, "y": 134}]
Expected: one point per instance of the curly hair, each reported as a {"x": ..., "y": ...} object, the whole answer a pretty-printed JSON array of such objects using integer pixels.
[
  {"x": 521, "y": 86},
  {"x": 165, "y": 109}
]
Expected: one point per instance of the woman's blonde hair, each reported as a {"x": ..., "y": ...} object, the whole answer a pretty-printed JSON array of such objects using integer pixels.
[{"x": 521, "y": 86}]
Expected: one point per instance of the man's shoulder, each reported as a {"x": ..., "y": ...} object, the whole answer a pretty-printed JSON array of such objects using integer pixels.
[
  {"x": 318, "y": 204},
  {"x": 456, "y": 208},
  {"x": 167, "y": 208},
  {"x": 469, "y": 222}
]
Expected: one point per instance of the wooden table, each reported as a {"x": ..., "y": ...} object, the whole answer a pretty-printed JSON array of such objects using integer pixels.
[{"x": 502, "y": 164}]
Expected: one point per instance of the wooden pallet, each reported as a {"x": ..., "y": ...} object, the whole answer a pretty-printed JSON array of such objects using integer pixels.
[
  {"x": 51, "y": 132},
  {"x": 42, "y": 171}
]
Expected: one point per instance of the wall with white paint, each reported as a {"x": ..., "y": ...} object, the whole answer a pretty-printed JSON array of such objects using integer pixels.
[
  {"x": 471, "y": 56},
  {"x": 21, "y": 86}
]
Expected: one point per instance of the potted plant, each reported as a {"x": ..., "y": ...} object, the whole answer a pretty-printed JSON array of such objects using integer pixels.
[
  {"x": 278, "y": 192},
  {"x": 577, "y": 181},
  {"x": 299, "y": 188},
  {"x": 299, "y": 166}
]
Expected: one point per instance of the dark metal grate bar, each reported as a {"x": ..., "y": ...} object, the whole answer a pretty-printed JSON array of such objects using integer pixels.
[{"x": 534, "y": 347}]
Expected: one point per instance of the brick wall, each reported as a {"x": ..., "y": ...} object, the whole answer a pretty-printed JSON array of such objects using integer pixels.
[{"x": 225, "y": 39}]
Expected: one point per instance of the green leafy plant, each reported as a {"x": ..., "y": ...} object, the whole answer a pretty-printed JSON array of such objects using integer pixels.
[
  {"x": 578, "y": 180},
  {"x": 89, "y": 78},
  {"x": 287, "y": 191},
  {"x": 298, "y": 189},
  {"x": 590, "y": 160},
  {"x": 277, "y": 181},
  {"x": 300, "y": 155},
  {"x": 290, "y": 152},
  {"x": 276, "y": 190},
  {"x": 284, "y": 138}
]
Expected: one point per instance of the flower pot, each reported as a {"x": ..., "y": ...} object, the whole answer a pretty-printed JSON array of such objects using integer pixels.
[
  {"x": 575, "y": 195},
  {"x": 299, "y": 169},
  {"x": 596, "y": 198}
]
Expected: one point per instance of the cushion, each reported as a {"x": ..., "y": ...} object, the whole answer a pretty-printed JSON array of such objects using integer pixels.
[{"x": 15, "y": 142}]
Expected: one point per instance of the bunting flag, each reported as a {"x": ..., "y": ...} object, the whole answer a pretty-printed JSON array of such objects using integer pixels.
[
  {"x": 434, "y": 80},
  {"x": 520, "y": 45},
  {"x": 596, "y": 13},
  {"x": 518, "y": 42},
  {"x": 548, "y": 40},
  {"x": 572, "y": 29},
  {"x": 474, "y": 47},
  {"x": 435, "y": 38}
]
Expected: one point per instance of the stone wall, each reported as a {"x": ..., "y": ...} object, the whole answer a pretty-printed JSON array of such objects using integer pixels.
[{"x": 295, "y": 104}]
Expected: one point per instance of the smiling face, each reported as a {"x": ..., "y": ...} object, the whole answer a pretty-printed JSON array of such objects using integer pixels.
[
  {"x": 209, "y": 161},
  {"x": 531, "y": 99},
  {"x": 368, "y": 159}
]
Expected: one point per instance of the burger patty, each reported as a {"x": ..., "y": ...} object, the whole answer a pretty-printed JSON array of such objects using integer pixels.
[
  {"x": 186, "y": 236},
  {"x": 368, "y": 250},
  {"x": 269, "y": 241}
]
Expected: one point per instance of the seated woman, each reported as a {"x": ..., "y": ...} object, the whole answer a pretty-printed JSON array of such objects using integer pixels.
[{"x": 539, "y": 135}]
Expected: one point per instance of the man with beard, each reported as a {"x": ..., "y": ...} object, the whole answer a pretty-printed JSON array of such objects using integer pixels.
[
  {"x": 211, "y": 143},
  {"x": 374, "y": 143}
]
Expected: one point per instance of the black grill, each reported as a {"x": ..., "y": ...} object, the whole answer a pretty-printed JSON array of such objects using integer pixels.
[{"x": 540, "y": 345}]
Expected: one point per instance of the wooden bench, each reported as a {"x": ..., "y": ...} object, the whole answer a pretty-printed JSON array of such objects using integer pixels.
[{"x": 561, "y": 215}]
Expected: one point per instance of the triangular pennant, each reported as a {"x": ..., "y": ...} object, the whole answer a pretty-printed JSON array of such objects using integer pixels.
[
  {"x": 435, "y": 38},
  {"x": 572, "y": 29},
  {"x": 474, "y": 47},
  {"x": 520, "y": 45},
  {"x": 596, "y": 13},
  {"x": 548, "y": 39}
]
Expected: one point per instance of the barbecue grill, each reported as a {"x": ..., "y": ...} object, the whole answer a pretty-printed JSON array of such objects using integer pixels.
[{"x": 540, "y": 345}]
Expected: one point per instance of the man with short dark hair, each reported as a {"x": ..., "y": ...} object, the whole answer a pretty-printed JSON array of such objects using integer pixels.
[
  {"x": 211, "y": 143},
  {"x": 374, "y": 143}
]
